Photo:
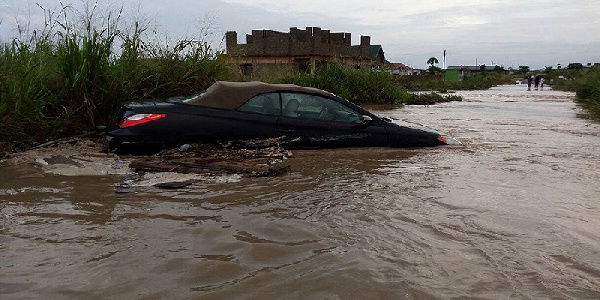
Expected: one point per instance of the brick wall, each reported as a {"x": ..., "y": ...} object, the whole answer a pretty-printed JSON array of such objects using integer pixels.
[
  {"x": 269, "y": 54},
  {"x": 312, "y": 41}
]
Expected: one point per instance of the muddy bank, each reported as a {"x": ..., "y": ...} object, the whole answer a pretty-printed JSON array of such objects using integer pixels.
[
  {"x": 171, "y": 168},
  {"x": 71, "y": 157}
]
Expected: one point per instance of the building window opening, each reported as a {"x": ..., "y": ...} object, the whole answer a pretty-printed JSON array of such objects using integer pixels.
[{"x": 246, "y": 69}]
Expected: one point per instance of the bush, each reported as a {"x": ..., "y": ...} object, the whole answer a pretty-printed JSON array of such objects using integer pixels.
[
  {"x": 357, "y": 85},
  {"x": 588, "y": 92},
  {"x": 588, "y": 88},
  {"x": 430, "y": 98}
]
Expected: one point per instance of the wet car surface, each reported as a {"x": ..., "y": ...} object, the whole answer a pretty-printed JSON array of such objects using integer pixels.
[{"x": 308, "y": 117}]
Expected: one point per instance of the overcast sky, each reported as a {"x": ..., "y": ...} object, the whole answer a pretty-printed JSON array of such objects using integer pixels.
[{"x": 509, "y": 33}]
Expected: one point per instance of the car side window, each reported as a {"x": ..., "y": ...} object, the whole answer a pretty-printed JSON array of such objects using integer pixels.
[
  {"x": 267, "y": 104},
  {"x": 299, "y": 105}
]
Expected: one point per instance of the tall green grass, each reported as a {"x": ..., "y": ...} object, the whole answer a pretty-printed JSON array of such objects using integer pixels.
[
  {"x": 27, "y": 101},
  {"x": 588, "y": 92},
  {"x": 586, "y": 85},
  {"x": 358, "y": 85},
  {"x": 69, "y": 78}
]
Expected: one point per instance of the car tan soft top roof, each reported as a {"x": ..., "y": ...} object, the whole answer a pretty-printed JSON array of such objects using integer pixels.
[{"x": 230, "y": 95}]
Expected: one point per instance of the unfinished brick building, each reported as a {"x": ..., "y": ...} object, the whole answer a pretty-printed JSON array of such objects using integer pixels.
[{"x": 269, "y": 53}]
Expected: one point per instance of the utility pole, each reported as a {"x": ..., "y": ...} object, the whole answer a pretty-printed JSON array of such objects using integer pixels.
[{"x": 444, "y": 60}]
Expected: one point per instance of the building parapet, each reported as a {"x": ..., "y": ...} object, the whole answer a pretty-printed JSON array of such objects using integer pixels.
[{"x": 298, "y": 42}]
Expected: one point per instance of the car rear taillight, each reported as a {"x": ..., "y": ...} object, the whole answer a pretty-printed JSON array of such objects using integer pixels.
[{"x": 138, "y": 119}]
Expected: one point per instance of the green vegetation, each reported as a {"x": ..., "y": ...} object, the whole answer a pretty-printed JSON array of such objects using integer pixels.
[
  {"x": 432, "y": 61},
  {"x": 433, "y": 69},
  {"x": 356, "y": 85},
  {"x": 586, "y": 85},
  {"x": 64, "y": 80},
  {"x": 471, "y": 81},
  {"x": 366, "y": 86},
  {"x": 70, "y": 78},
  {"x": 430, "y": 98}
]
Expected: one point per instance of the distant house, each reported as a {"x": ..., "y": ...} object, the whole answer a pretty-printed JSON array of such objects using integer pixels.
[
  {"x": 454, "y": 74},
  {"x": 472, "y": 68},
  {"x": 269, "y": 53},
  {"x": 458, "y": 72},
  {"x": 402, "y": 69},
  {"x": 579, "y": 66},
  {"x": 376, "y": 55}
]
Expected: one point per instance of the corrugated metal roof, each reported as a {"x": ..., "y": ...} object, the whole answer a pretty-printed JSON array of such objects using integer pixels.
[
  {"x": 401, "y": 66},
  {"x": 375, "y": 50}
]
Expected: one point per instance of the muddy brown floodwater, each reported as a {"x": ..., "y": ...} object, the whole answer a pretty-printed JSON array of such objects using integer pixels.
[{"x": 511, "y": 214}]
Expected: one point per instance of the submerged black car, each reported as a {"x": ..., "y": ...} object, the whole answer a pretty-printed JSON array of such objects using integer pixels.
[{"x": 307, "y": 117}]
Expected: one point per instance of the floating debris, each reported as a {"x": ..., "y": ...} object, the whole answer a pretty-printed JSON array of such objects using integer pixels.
[
  {"x": 255, "y": 158},
  {"x": 174, "y": 185}
]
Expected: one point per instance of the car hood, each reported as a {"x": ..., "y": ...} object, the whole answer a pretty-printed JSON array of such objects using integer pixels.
[{"x": 413, "y": 125}]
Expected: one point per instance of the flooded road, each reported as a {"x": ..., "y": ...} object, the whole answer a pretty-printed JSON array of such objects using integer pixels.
[{"x": 511, "y": 214}]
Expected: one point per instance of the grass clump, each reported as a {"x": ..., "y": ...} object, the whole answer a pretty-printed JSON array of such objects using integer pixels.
[{"x": 430, "y": 98}]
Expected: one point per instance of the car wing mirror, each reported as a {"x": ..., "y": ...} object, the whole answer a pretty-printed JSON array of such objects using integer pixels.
[{"x": 366, "y": 120}]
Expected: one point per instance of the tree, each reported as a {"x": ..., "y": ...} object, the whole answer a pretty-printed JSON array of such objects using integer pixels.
[
  {"x": 523, "y": 69},
  {"x": 433, "y": 70},
  {"x": 575, "y": 66},
  {"x": 432, "y": 61}
]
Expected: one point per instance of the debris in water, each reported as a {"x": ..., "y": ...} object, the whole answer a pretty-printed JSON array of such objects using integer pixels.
[
  {"x": 174, "y": 185},
  {"x": 255, "y": 158}
]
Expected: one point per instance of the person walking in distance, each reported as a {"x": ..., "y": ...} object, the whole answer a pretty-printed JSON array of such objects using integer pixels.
[{"x": 537, "y": 81}]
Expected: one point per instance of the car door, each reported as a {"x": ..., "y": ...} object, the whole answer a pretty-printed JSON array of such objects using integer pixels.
[
  {"x": 319, "y": 121},
  {"x": 256, "y": 118}
]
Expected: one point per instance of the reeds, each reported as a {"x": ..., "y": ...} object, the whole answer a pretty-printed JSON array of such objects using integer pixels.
[{"x": 70, "y": 78}]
